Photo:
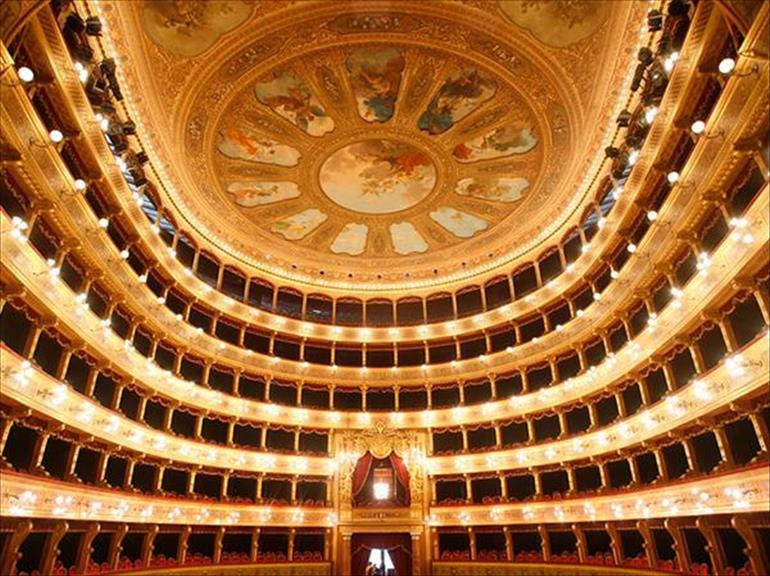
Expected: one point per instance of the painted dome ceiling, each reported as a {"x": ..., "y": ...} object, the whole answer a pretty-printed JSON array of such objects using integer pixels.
[{"x": 390, "y": 143}]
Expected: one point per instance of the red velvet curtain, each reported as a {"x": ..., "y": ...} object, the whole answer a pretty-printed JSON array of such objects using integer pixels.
[
  {"x": 402, "y": 474},
  {"x": 361, "y": 472},
  {"x": 399, "y": 546}
]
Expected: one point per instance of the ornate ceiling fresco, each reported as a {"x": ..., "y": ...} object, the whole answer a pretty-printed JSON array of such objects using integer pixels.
[{"x": 373, "y": 142}]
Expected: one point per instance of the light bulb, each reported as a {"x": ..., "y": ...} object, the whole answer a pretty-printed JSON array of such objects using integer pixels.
[
  {"x": 631, "y": 248},
  {"x": 650, "y": 114},
  {"x": 727, "y": 65},
  {"x": 56, "y": 136},
  {"x": 698, "y": 127},
  {"x": 80, "y": 184},
  {"x": 104, "y": 222},
  {"x": 652, "y": 215},
  {"x": 25, "y": 74},
  {"x": 673, "y": 177}
]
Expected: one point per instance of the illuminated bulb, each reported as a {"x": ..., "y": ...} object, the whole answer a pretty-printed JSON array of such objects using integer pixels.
[
  {"x": 172, "y": 252},
  {"x": 161, "y": 300},
  {"x": 631, "y": 248},
  {"x": 601, "y": 222},
  {"x": 104, "y": 124},
  {"x": 142, "y": 278},
  {"x": 381, "y": 491},
  {"x": 669, "y": 62},
  {"x": 672, "y": 177},
  {"x": 726, "y": 65},
  {"x": 597, "y": 296},
  {"x": 616, "y": 192},
  {"x": 652, "y": 215},
  {"x": 698, "y": 127},
  {"x": 124, "y": 254},
  {"x": 614, "y": 274},
  {"x": 584, "y": 248},
  {"x": 701, "y": 390},
  {"x": 80, "y": 184},
  {"x": 579, "y": 313},
  {"x": 633, "y": 157},
  {"x": 81, "y": 298},
  {"x": 703, "y": 263},
  {"x": 56, "y": 136},
  {"x": 104, "y": 222},
  {"x": 25, "y": 74},
  {"x": 650, "y": 114}
]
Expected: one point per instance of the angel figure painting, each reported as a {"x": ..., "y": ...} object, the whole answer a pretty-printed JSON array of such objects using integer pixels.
[
  {"x": 461, "y": 224},
  {"x": 289, "y": 96},
  {"x": 250, "y": 194},
  {"x": 190, "y": 27},
  {"x": 241, "y": 144},
  {"x": 406, "y": 239},
  {"x": 459, "y": 95},
  {"x": 351, "y": 240},
  {"x": 377, "y": 176},
  {"x": 375, "y": 76},
  {"x": 500, "y": 142},
  {"x": 299, "y": 225},
  {"x": 492, "y": 189}
]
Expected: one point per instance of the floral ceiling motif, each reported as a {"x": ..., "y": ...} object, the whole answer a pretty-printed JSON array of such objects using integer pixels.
[{"x": 397, "y": 141}]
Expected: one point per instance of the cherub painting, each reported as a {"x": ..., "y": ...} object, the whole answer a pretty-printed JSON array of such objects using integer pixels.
[
  {"x": 461, "y": 224},
  {"x": 289, "y": 96},
  {"x": 190, "y": 27},
  {"x": 406, "y": 239},
  {"x": 299, "y": 225},
  {"x": 256, "y": 193},
  {"x": 492, "y": 189},
  {"x": 375, "y": 76},
  {"x": 459, "y": 95},
  {"x": 244, "y": 145},
  {"x": 377, "y": 176},
  {"x": 503, "y": 141},
  {"x": 351, "y": 240}
]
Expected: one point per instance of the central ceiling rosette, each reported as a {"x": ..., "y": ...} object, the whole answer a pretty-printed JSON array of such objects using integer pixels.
[{"x": 374, "y": 157}]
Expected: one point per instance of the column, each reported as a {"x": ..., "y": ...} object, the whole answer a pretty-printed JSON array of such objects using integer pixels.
[{"x": 50, "y": 552}]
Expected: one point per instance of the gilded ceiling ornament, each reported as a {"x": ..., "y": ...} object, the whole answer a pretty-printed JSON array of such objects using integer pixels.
[{"x": 318, "y": 81}]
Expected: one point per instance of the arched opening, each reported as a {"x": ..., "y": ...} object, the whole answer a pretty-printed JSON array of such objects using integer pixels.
[{"x": 380, "y": 482}]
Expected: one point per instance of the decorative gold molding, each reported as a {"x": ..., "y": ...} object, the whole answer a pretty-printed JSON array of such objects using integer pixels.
[{"x": 380, "y": 439}]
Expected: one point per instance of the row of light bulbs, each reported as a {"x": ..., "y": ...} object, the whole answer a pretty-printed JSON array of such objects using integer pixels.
[
  {"x": 274, "y": 411},
  {"x": 57, "y": 136}
]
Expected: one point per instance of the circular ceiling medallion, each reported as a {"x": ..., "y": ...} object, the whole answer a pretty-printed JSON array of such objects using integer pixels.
[
  {"x": 377, "y": 176},
  {"x": 403, "y": 145}
]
